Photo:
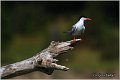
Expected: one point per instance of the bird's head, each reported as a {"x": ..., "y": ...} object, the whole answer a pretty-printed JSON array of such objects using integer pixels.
[{"x": 84, "y": 18}]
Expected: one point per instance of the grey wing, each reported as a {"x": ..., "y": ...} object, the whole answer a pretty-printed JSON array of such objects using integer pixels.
[{"x": 73, "y": 30}]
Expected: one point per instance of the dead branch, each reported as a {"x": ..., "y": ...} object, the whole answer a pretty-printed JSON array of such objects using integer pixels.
[{"x": 43, "y": 61}]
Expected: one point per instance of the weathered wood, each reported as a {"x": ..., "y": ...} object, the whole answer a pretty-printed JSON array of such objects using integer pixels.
[{"x": 43, "y": 61}]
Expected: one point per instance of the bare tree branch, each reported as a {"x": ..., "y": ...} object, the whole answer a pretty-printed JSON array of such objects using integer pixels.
[{"x": 43, "y": 61}]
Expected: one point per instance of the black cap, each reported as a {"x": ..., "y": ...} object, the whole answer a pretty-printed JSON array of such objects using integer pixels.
[{"x": 82, "y": 16}]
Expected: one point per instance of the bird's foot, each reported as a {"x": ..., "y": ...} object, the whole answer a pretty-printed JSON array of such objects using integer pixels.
[{"x": 74, "y": 41}]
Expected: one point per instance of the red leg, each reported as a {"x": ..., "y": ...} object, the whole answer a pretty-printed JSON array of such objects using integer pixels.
[{"x": 74, "y": 40}]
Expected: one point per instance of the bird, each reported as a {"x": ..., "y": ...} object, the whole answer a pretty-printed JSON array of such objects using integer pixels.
[{"x": 78, "y": 28}]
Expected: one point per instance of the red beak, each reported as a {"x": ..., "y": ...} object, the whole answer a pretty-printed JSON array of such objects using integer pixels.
[{"x": 88, "y": 19}]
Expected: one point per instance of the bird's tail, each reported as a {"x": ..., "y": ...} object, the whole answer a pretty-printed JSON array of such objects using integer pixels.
[{"x": 68, "y": 32}]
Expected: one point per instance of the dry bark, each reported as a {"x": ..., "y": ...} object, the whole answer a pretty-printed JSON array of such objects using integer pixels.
[{"x": 43, "y": 61}]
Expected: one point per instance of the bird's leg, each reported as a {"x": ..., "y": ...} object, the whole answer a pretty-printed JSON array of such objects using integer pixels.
[{"x": 74, "y": 40}]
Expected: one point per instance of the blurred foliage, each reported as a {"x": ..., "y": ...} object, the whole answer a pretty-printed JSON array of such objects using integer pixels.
[{"x": 28, "y": 27}]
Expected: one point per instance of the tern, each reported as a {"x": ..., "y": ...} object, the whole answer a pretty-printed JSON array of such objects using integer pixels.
[{"x": 78, "y": 28}]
